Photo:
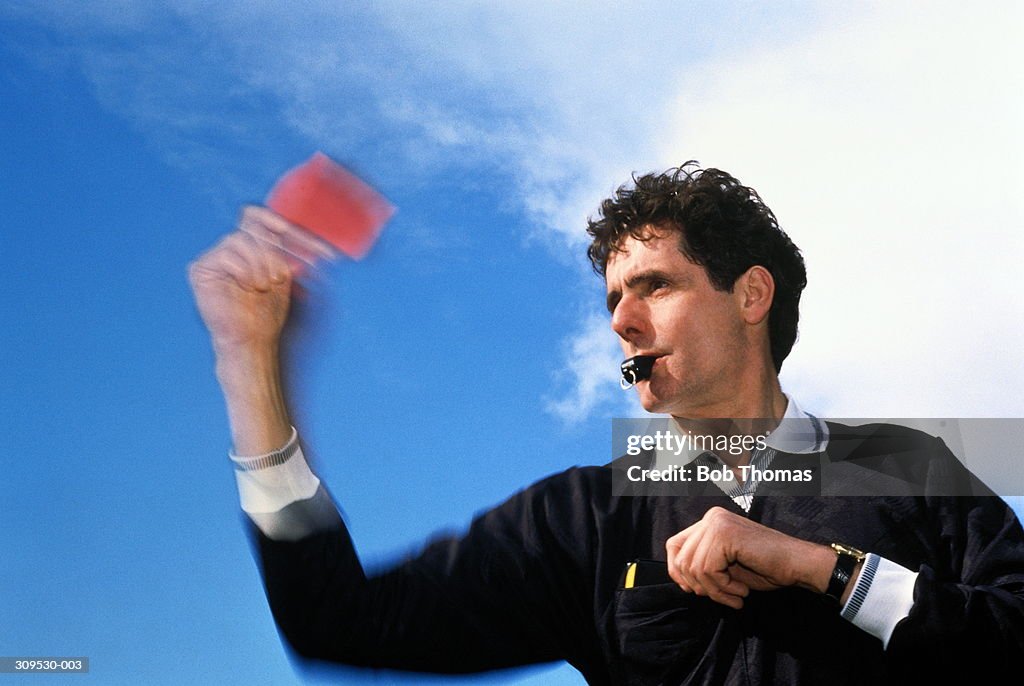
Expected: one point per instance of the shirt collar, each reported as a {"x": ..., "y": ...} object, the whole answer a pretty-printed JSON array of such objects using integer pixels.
[{"x": 798, "y": 433}]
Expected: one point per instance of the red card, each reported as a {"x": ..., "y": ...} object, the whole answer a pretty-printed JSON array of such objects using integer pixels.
[{"x": 331, "y": 202}]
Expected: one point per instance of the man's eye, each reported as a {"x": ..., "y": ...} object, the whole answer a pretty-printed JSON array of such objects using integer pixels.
[{"x": 658, "y": 284}]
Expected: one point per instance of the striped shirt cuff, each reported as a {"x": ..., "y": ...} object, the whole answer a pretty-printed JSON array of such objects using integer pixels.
[
  {"x": 270, "y": 482},
  {"x": 881, "y": 597},
  {"x": 272, "y": 459}
]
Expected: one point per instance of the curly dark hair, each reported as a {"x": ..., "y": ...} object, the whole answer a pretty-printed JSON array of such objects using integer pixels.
[{"x": 723, "y": 226}]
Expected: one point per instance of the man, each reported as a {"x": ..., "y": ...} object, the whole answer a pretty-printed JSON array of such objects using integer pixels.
[{"x": 756, "y": 583}]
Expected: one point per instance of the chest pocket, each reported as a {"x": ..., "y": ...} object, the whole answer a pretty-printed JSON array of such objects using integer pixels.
[{"x": 662, "y": 631}]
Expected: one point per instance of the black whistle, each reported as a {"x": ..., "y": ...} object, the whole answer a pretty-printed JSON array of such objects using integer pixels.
[{"x": 636, "y": 369}]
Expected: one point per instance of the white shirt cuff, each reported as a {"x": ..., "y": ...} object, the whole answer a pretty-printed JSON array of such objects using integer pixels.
[
  {"x": 881, "y": 597},
  {"x": 270, "y": 482}
]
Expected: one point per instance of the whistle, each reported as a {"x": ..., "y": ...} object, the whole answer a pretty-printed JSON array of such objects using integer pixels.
[{"x": 636, "y": 369}]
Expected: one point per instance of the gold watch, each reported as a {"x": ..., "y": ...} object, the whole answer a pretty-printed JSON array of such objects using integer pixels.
[{"x": 847, "y": 561}]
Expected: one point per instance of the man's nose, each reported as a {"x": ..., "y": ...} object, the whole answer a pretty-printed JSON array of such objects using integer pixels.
[{"x": 631, "y": 322}]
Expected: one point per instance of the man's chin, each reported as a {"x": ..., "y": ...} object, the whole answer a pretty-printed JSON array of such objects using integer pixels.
[
  {"x": 659, "y": 404},
  {"x": 650, "y": 402}
]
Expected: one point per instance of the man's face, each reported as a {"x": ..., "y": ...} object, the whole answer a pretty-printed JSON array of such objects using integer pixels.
[{"x": 662, "y": 304}]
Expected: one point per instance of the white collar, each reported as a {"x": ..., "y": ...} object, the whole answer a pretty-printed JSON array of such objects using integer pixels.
[{"x": 798, "y": 433}]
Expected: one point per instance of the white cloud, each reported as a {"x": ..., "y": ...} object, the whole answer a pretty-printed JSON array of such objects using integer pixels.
[
  {"x": 592, "y": 366},
  {"x": 890, "y": 148},
  {"x": 886, "y": 138}
]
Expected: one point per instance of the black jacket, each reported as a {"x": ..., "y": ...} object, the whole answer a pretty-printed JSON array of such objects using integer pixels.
[{"x": 539, "y": 578}]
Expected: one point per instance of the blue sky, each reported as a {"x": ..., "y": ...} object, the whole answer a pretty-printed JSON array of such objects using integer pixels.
[{"x": 468, "y": 355}]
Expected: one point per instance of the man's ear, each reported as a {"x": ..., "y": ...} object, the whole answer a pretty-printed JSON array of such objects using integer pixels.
[{"x": 755, "y": 290}]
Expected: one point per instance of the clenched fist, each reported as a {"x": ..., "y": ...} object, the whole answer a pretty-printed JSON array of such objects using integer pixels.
[
  {"x": 725, "y": 556},
  {"x": 242, "y": 285}
]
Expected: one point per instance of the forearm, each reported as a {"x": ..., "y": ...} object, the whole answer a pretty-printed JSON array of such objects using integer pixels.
[{"x": 250, "y": 379}]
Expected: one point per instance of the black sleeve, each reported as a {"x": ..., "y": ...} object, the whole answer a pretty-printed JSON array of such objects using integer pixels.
[
  {"x": 510, "y": 591},
  {"x": 967, "y": 619}
]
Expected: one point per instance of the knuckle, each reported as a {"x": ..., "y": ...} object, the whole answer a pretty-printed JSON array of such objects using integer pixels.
[
  {"x": 235, "y": 240},
  {"x": 248, "y": 213},
  {"x": 717, "y": 516},
  {"x": 252, "y": 244},
  {"x": 197, "y": 267}
]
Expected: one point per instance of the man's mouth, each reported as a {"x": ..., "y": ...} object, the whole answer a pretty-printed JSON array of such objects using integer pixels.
[{"x": 637, "y": 368}]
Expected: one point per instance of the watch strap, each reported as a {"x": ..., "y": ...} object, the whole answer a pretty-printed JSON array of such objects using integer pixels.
[{"x": 846, "y": 562}]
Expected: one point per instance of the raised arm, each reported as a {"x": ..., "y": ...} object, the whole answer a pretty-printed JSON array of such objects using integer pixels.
[
  {"x": 242, "y": 288},
  {"x": 491, "y": 598}
]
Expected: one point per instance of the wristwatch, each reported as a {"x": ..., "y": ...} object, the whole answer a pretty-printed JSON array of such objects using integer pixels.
[{"x": 847, "y": 562}]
